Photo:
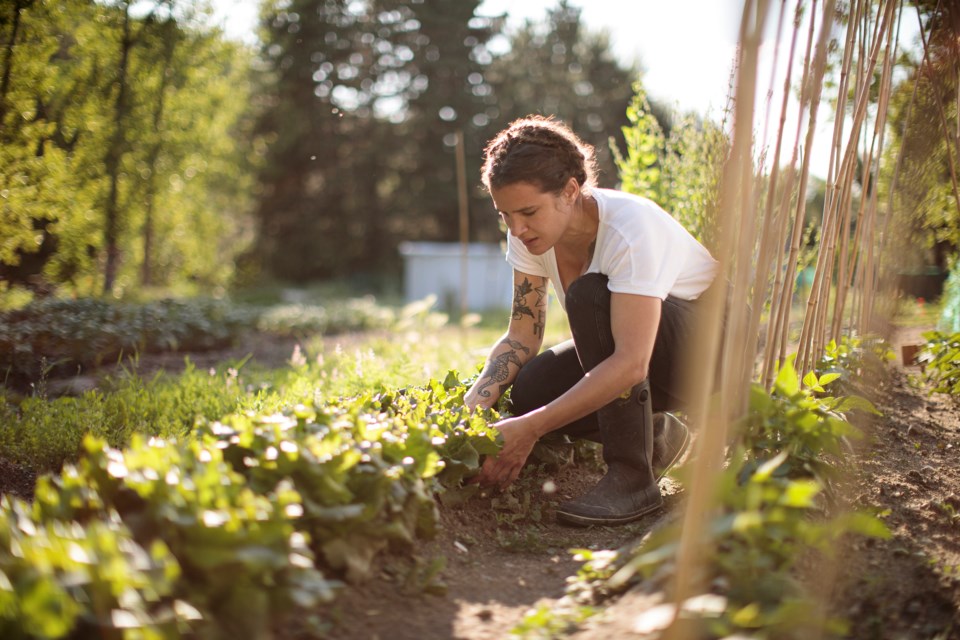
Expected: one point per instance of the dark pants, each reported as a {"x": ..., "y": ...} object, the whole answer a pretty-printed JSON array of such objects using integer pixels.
[{"x": 551, "y": 373}]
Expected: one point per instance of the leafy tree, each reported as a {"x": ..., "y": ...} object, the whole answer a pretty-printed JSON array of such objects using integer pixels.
[
  {"x": 561, "y": 68},
  {"x": 95, "y": 99},
  {"x": 922, "y": 164},
  {"x": 680, "y": 171},
  {"x": 361, "y": 98},
  {"x": 449, "y": 93},
  {"x": 41, "y": 120}
]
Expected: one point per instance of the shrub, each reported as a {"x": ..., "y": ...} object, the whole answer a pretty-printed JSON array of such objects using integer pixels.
[
  {"x": 64, "y": 336},
  {"x": 941, "y": 358}
]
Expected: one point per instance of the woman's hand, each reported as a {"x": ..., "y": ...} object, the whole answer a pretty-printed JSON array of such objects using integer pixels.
[
  {"x": 519, "y": 436},
  {"x": 473, "y": 401}
]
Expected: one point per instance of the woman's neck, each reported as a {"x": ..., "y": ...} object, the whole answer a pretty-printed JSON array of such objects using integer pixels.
[{"x": 581, "y": 234}]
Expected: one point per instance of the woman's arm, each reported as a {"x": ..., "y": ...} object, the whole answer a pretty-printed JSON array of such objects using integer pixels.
[
  {"x": 634, "y": 321},
  {"x": 519, "y": 344}
]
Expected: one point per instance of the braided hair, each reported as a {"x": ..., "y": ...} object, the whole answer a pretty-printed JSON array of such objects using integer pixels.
[{"x": 541, "y": 151}]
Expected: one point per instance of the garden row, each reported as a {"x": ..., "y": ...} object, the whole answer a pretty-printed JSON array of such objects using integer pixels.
[
  {"x": 66, "y": 336},
  {"x": 221, "y": 533}
]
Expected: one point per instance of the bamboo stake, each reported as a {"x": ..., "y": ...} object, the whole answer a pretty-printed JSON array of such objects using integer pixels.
[
  {"x": 865, "y": 281},
  {"x": 837, "y": 183},
  {"x": 882, "y": 29},
  {"x": 825, "y": 258},
  {"x": 833, "y": 180},
  {"x": 464, "y": 223},
  {"x": 849, "y": 253},
  {"x": 885, "y": 234},
  {"x": 779, "y": 326},
  {"x": 872, "y": 270},
  {"x": 763, "y": 261},
  {"x": 815, "y": 88},
  {"x": 713, "y": 440}
]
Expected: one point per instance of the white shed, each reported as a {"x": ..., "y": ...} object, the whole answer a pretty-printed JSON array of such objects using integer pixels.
[{"x": 435, "y": 268}]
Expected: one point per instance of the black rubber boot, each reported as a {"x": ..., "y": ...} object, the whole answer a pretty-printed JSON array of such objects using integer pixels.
[
  {"x": 670, "y": 440},
  {"x": 628, "y": 490}
]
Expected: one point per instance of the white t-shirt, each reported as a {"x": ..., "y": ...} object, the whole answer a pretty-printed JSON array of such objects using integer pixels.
[{"x": 640, "y": 247}]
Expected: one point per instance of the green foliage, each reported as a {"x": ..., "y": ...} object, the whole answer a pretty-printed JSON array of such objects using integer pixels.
[
  {"x": 240, "y": 556},
  {"x": 49, "y": 432},
  {"x": 357, "y": 314},
  {"x": 64, "y": 336},
  {"x": 680, "y": 172},
  {"x": 916, "y": 175},
  {"x": 941, "y": 358},
  {"x": 950, "y": 316},
  {"x": 855, "y": 360},
  {"x": 244, "y": 517},
  {"x": 122, "y": 130},
  {"x": 61, "y": 579},
  {"x": 640, "y": 169}
]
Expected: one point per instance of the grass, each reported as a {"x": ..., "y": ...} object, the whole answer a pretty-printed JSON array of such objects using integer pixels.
[{"x": 422, "y": 345}]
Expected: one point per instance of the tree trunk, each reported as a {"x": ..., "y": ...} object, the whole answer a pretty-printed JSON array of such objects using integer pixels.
[
  {"x": 150, "y": 195},
  {"x": 18, "y": 7},
  {"x": 114, "y": 157}
]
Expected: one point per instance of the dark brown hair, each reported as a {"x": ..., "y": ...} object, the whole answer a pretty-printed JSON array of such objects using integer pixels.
[{"x": 542, "y": 151}]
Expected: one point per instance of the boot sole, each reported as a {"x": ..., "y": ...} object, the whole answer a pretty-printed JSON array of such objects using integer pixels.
[
  {"x": 586, "y": 521},
  {"x": 682, "y": 450}
]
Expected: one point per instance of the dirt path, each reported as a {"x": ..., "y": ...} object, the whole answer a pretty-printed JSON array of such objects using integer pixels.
[{"x": 500, "y": 564}]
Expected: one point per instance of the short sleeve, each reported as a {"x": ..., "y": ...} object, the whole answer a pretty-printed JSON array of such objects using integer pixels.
[{"x": 521, "y": 259}]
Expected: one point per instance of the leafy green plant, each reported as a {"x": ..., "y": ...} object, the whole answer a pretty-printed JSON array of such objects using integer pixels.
[
  {"x": 681, "y": 172},
  {"x": 49, "y": 432},
  {"x": 941, "y": 357},
  {"x": 252, "y": 507},
  {"x": 855, "y": 359},
  {"x": 241, "y": 557},
  {"x": 59, "y": 579},
  {"x": 358, "y": 314},
  {"x": 78, "y": 334}
]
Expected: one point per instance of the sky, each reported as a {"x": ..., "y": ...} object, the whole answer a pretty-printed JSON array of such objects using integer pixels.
[
  {"x": 688, "y": 67},
  {"x": 685, "y": 49}
]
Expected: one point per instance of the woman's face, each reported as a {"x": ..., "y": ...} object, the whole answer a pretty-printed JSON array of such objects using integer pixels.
[{"x": 536, "y": 218}]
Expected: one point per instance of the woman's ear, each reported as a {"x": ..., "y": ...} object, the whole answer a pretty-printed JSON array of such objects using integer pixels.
[{"x": 571, "y": 190}]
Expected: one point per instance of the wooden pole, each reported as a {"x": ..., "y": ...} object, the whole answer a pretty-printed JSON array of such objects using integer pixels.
[
  {"x": 737, "y": 172},
  {"x": 464, "y": 216}
]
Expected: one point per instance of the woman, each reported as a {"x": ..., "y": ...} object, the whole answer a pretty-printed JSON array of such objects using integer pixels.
[{"x": 627, "y": 275}]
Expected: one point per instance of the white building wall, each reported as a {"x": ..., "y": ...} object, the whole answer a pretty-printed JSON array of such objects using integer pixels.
[{"x": 435, "y": 268}]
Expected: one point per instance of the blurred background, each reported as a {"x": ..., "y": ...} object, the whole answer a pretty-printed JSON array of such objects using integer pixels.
[{"x": 182, "y": 147}]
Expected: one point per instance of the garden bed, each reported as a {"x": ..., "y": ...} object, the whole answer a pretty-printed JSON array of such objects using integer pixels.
[{"x": 497, "y": 557}]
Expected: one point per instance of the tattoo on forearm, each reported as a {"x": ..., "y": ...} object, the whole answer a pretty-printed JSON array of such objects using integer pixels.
[
  {"x": 520, "y": 307},
  {"x": 540, "y": 324},
  {"x": 498, "y": 369}
]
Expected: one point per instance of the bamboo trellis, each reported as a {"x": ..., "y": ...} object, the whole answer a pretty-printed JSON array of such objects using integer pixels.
[{"x": 761, "y": 225}]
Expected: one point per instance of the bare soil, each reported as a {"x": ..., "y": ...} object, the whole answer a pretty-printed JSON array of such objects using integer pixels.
[{"x": 496, "y": 557}]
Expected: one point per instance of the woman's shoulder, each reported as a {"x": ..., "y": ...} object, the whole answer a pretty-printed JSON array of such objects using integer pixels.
[{"x": 621, "y": 210}]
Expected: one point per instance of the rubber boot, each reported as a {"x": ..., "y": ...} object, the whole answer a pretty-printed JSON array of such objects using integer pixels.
[
  {"x": 670, "y": 440},
  {"x": 628, "y": 490}
]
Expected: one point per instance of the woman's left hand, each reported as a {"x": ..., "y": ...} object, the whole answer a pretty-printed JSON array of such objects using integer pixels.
[{"x": 519, "y": 436}]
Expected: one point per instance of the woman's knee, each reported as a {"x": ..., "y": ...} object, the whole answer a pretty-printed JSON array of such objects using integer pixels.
[
  {"x": 525, "y": 395},
  {"x": 545, "y": 378},
  {"x": 586, "y": 291}
]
